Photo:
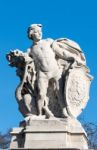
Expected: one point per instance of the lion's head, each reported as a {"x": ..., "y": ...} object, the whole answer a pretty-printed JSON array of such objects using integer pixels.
[{"x": 16, "y": 58}]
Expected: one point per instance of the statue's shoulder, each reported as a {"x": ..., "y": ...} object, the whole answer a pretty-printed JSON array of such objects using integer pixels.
[{"x": 50, "y": 40}]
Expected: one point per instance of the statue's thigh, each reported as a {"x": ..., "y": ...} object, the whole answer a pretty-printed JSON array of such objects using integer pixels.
[{"x": 43, "y": 85}]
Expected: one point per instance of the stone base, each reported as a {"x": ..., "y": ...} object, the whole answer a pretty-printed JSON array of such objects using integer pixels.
[
  {"x": 52, "y": 134},
  {"x": 51, "y": 149}
]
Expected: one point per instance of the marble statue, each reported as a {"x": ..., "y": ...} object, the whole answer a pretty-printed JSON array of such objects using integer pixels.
[
  {"x": 53, "y": 91},
  {"x": 53, "y": 76}
]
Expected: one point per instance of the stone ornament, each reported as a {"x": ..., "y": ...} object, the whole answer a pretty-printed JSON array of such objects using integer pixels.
[
  {"x": 77, "y": 89},
  {"x": 54, "y": 78}
]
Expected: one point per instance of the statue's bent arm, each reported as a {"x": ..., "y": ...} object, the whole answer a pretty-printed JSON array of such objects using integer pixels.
[{"x": 61, "y": 53}]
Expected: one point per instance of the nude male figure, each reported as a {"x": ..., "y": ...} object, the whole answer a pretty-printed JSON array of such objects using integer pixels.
[{"x": 47, "y": 68}]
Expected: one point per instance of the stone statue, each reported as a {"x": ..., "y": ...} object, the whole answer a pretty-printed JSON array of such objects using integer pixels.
[
  {"x": 48, "y": 66},
  {"x": 53, "y": 91}
]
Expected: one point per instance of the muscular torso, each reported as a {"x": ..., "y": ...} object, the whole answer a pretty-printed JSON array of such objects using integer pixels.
[{"x": 44, "y": 56}]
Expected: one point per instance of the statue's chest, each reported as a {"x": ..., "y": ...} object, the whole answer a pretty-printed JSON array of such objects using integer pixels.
[{"x": 41, "y": 50}]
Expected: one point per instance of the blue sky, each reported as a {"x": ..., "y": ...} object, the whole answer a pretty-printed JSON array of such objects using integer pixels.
[{"x": 74, "y": 19}]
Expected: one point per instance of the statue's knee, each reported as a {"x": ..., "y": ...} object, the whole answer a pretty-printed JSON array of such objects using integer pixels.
[{"x": 42, "y": 95}]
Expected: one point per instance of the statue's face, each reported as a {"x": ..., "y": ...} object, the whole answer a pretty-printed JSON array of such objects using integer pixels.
[{"x": 35, "y": 33}]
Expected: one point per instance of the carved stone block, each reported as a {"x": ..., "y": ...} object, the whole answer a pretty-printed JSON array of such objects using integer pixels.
[{"x": 49, "y": 134}]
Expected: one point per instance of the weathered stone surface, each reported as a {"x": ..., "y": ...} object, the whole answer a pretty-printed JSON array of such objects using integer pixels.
[{"x": 50, "y": 134}]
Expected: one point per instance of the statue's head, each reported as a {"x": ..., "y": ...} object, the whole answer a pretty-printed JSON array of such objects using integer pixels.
[{"x": 35, "y": 32}]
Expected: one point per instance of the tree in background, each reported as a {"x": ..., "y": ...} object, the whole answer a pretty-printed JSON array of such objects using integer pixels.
[
  {"x": 5, "y": 140},
  {"x": 91, "y": 130}
]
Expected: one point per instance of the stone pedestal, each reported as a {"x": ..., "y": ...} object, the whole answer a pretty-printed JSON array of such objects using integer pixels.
[{"x": 50, "y": 134}]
